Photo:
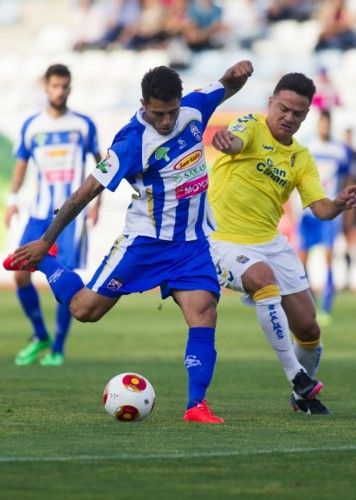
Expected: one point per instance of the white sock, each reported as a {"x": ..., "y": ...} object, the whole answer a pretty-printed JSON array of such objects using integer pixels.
[
  {"x": 309, "y": 358},
  {"x": 274, "y": 323}
]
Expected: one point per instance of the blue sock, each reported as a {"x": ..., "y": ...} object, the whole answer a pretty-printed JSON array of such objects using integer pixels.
[
  {"x": 30, "y": 302},
  {"x": 63, "y": 321},
  {"x": 200, "y": 357},
  {"x": 63, "y": 282},
  {"x": 328, "y": 293}
]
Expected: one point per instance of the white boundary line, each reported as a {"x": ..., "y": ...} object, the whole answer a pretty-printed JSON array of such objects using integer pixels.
[{"x": 175, "y": 455}]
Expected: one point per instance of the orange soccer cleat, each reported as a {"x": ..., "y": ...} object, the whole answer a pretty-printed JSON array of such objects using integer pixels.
[{"x": 203, "y": 414}]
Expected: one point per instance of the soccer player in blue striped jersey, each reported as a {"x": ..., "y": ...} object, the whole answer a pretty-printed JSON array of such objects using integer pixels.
[
  {"x": 55, "y": 142},
  {"x": 164, "y": 242},
  {"x": 334, "y": 169}
]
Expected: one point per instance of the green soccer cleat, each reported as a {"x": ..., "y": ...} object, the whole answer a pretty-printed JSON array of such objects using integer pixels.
[
  {"x": 28, "y": 355},
  {"x": 52, "y": 359}
]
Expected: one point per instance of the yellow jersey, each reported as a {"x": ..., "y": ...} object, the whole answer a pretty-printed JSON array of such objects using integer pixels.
[{"x": 247, "y": 190}]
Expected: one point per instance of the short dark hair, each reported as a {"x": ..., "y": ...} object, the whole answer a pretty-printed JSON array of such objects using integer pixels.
[
  {"x": 161, "y": 83},
  {"x": 298, "y": 83},
  {"x": 58, "y": 70}
]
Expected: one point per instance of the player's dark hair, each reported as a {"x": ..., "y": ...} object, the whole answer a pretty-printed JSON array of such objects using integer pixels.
[
  {"x": 58, "y": 70},
  {"x": 298, "y": 83},
  {"x": 161, "y": 83}
]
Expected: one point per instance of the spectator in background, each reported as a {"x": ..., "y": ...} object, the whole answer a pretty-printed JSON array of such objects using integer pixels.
[
  {"x": 337, "y": 26},
  {"x": 350, "y": 218},
  {"x": 281, "y": 10},
  {"x": 246, "y": 21},
  {"x": 326, "y": 95},
  {"x": 114, "y": 22},
  {"x": 333, "y": 166},
  {"x": 88, "y": 23},
  {"x": 204, "y": 28},
  {"x": 148, "y": 30}
]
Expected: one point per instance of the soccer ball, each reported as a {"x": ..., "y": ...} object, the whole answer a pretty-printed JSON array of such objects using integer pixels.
[{"x": 129, "y": 397}]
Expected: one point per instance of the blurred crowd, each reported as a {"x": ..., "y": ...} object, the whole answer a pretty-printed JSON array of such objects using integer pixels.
[{"x": 204, "y": 24}]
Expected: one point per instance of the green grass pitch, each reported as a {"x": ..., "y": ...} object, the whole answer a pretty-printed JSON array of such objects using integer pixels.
[{"x": 56, "y": 440}]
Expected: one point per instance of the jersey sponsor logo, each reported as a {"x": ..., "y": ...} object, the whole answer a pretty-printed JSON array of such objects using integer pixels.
[
  {"x": 242, "y": 259},
  {"x": 188, "y": 175},
  {"x": 195, "y": 131},
  {"x": 161, "y": 153},
  {"x": 192, "y": 188},
  {"x": 188, "y": 161},
  {"x": 114, "y": 284},
  {"x": 276, "y": 174},
  {"x": 63, "y": 175},
  {"x": 56, "y": 153}
]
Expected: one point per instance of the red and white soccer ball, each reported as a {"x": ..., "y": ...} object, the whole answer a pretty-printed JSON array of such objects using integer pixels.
[{"x": 129, "y": 397}]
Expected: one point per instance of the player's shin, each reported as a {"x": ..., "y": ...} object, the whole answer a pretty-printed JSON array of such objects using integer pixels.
[
  {"x": 274, "y": 323},
  {"x": 30, "y": 302},
  {"x": 309, "y": 355},
  {"x": 199, "y": 361},
  {"x": 63, "y": 282}
]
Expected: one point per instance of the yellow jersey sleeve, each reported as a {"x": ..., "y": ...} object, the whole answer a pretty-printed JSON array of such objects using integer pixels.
[{"x": 309, "y": 185}]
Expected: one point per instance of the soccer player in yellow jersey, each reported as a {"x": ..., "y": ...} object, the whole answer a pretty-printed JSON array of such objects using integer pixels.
[{"x": 260, "y": 166}]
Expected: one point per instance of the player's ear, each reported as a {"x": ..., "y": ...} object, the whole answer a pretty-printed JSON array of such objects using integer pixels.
[{"x": 142, "y": 102}]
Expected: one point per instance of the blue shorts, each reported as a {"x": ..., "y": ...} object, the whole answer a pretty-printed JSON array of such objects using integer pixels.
[
  {"x": 314, "y": 231},
  {"x": 142, "y": 263},
  {"x": 72, "y": 248}
]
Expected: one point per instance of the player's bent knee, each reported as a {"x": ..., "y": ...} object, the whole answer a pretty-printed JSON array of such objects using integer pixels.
[
  {"x": 310, "y": 332},
  {"x": 84, "y": 315},
  {"x": 257, "y": 277}
]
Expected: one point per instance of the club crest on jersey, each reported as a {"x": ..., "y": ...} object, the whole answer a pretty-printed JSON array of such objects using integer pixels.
[
  {"x": 161, "y": 153},
  {"x": 242, "y": 259},
  {"x": 195, "y": 131},
  {"x": 114, "y": 285}
]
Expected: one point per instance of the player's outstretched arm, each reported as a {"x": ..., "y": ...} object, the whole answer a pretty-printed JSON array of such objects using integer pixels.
[
  {"x": 235, "y": 77},
  {"x": 226, "y": 142},
  {"x": 328, "y": 209},
  {"x": 33, "y": 252}
]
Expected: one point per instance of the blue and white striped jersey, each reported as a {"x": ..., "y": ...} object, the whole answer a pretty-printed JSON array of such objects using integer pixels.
[
  {"x": 58, "y": 149},
  {"x": 332, "y": 162},
  {"x": 168, "y": 173}
]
